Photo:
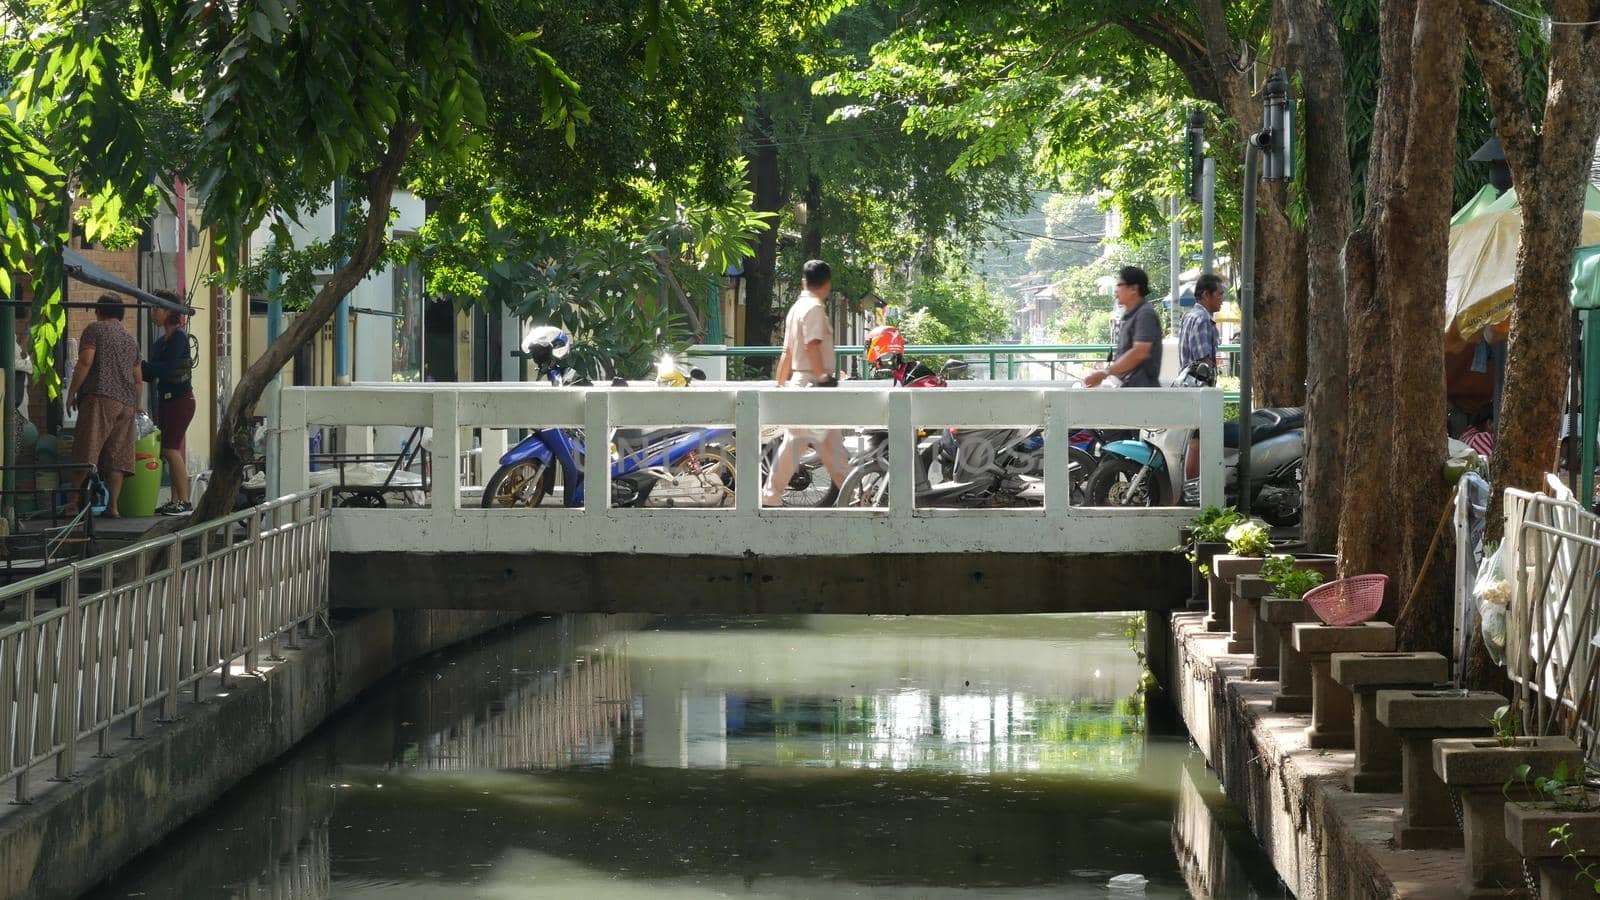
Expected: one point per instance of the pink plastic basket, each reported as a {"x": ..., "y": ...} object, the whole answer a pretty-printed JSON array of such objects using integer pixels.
[{"x": 1348, "y": 601}]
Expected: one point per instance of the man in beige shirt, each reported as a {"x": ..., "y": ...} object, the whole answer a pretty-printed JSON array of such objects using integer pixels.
[{"x": 808, "y": 361}]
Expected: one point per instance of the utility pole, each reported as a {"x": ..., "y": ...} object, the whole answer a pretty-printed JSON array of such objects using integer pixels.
[
  {"x": 1208, "y": 217},
  {"x": 1274, "y": 143},
  {"x": 1175, "y": 262}
]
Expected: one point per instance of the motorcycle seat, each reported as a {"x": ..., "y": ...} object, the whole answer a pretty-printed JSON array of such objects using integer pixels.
[
  {"x": 634, "y": 440},
  {"x": 1265, "y": 423}
]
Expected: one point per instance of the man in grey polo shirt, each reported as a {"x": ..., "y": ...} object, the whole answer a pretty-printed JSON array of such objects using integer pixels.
[{"x": 1137, "y": 360}]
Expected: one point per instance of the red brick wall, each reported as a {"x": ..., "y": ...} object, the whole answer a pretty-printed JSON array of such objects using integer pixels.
[{"x": 122, "y": 263}]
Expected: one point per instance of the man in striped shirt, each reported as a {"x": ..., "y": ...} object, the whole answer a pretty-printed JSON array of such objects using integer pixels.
[
  {"x": 1197, "y": 336},
  {"x": 1197, "y": 342}
]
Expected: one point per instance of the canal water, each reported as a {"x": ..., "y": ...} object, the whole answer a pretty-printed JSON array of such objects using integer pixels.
[{"x": 816, "y": 756}]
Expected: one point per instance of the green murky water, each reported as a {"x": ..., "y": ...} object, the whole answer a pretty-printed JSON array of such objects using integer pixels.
[{"x": 805, "y": 757}]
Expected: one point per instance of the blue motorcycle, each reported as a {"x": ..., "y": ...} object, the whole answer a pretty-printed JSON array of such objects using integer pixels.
[{"x": 662, "y": 467}]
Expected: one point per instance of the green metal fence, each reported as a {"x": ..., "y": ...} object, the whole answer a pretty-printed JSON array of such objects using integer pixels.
[{"x": 998, "y": 362}]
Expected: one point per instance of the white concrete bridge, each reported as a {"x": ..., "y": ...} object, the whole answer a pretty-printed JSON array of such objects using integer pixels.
[{"x": 449, "y": 552}]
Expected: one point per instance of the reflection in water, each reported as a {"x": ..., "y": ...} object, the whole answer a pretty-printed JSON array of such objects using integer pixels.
[{"x": 812, "y": 756}]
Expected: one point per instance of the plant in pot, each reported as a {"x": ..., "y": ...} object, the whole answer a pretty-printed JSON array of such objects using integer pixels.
[
  {"x": 1279, "y": 577},
  {"x": 1203, "y": 539},
  {"x": 1558, "y": 829},
  {"x": 1491, "y": 775},
  {"x": 1248, "y": 545}
]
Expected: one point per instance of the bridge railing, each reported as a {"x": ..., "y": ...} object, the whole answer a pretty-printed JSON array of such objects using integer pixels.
[
  {"x": 459, "y": 414},
  {"x": 100, "y": 642}
]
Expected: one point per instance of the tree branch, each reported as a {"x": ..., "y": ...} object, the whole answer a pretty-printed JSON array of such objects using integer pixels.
[
  {"x": 1493, "y": 37},
  {"x": 232, "y": 446},
  {"x": 1190, "y": 60},
  {"x": 682, "y": 296}
]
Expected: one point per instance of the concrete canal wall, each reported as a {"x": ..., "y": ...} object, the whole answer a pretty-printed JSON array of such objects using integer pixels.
[
  {"x": 76, "y": 833},
  {"x": 1325, "y": 841}
]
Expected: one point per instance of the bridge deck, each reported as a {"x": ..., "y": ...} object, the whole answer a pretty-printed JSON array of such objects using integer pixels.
[{"x": 902, "y": 558}]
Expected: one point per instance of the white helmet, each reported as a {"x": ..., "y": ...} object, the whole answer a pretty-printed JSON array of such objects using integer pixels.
[{"x": 546, "y": 343}]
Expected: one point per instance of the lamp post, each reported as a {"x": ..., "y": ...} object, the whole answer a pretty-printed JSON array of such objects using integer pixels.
[
  {"x": 1275, "y": 145},
  {"x": 1493, "y": 153}
]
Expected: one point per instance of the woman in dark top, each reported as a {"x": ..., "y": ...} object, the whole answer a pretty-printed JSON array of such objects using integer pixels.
[{"x": 170, "y": 366}]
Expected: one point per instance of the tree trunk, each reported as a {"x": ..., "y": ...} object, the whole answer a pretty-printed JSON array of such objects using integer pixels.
[
  {"x": 1550, "y": 168},
  {"x": 1279, "y": 377},
  {"x": 761, "y": 269},
  {"x": 811, "y": 243},
  {"x": 1396, "y": 263},
  {"x": 232, "y": 447},
  {"x": 1314, "y": 45}
]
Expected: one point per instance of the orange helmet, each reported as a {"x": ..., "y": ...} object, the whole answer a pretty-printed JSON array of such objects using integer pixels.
[{"x": 885, "y": 345}]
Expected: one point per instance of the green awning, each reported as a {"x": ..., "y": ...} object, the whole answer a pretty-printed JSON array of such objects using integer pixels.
[
  {"x": 1508, "y": 200},
  {"x": 1475, "y": 207},
  {"x": 1586, "y": 278}
]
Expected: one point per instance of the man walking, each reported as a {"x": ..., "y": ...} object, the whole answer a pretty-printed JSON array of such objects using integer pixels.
[
  {"x": 1137, "y": 360},
  {"x": 807, "y": 361},
  {"x": 1197, "y": 343},
  {"x": 1197, "y": 336},
  {"x": 105, "y": 391}
]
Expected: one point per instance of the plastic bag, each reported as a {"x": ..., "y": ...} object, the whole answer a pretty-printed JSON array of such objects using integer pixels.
[
  {"x": 1493, "y": 593},
  {"x": 143, "y": 425}
]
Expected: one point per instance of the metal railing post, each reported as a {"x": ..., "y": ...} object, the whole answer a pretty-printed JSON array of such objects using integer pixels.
[
  {"x": 170, "y": 642},
  {"x": 26, "y": 701},
  {"x": 75, "y": 682}
]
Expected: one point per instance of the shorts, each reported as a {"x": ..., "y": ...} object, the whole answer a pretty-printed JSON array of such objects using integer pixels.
[
  {"x": 174, "y": 418},
  {"x": 104, "y": 435}
]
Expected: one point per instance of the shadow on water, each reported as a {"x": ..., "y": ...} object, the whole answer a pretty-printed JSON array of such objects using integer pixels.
[{"x": 814, "y": 756}]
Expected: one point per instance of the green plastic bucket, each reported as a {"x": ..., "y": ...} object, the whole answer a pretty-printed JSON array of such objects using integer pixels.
[{"x": 142, "y": 491}]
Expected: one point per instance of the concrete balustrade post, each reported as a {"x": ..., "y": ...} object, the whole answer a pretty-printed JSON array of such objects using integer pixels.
[
  {"x": 1377, "y": 767},
  {"x": 1332, "y": 710},
  {"x": 1427, "y": 819},
  {"x": 1486, "y": 774}
]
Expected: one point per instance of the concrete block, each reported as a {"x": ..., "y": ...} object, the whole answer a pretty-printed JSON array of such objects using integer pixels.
[
  {"x": 1484, "y": 771},
  {"x": 1204, "y": 551},
  {"x": 1427, "y": 820},
  {"x": 1315, "y": 638},
  {"x": 1253, "y": 587},
  {"x": 1294, "y": 671},
  {"x": 1367, "y": 670},
  {"x": 1485, "y": 763},
  {"x": 1332, "y": 708},
  {"x": 1528, "y": 829},
  {"x": 1378, "y": 754},
  {"x": 1227, "y": 569},
  {"x": 1438, "y": 710}
]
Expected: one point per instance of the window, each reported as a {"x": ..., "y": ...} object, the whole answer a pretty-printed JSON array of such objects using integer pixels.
[{"x": 408, "y": 300}]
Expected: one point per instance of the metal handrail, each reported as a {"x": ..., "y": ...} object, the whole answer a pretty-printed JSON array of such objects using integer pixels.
[
  {"x": 1553, "y": 622},
  {"x": 134, "y": 627}
]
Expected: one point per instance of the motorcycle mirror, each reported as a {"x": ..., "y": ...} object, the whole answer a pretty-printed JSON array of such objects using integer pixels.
[
  {"x": 619, "y": 382},
  {"x": 697, "y": 374},
  {"x": 953, "y": 367}
]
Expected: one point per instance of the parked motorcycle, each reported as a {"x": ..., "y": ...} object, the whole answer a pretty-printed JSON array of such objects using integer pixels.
[
  {"x": 1149, "y": 472},
  {"x": 658, "y": 467}
]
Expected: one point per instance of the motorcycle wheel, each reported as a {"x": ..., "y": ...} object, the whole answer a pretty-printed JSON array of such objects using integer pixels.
[
  {"x": 524, "y": 483},
  {"x": 866, "y": 485},
  {"x": 1109, "y": 483},
  {"x": 1083, "y": 466},
  {"x": 807, "y": 488}
]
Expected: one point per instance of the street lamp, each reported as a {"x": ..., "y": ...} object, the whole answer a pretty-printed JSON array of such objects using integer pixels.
[
  {"x": 1494, "y": 153},
  {"x": 1275, "y": 144}
]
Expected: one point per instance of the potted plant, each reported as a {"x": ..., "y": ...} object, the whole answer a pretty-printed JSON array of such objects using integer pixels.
[
  {"x": 1249, "y": 542},
  {"x": 1558, "y": 830},
  {"x": 1204, "y": 538},
  {"x": 1280, "y": 576},
  {"x": 1489, "y": 774}
]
